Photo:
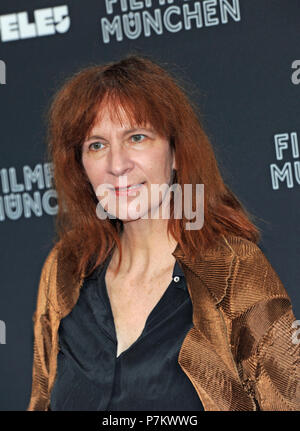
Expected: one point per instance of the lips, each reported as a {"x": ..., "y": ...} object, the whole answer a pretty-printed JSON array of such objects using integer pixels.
[{"x": 125, "y": 188}]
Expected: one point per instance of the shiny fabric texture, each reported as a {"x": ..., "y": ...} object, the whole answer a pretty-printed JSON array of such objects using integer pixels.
[
  {"x": 240, "y": 354},
  {"x": 146, "y": 376}
]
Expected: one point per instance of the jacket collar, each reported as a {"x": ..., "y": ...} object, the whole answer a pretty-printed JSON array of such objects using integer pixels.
[
  {"x": 205, "y": 355},
  {"x": 202, "y": 268}
]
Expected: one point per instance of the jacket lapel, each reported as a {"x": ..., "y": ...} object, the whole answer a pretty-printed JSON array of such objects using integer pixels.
[{"x": 205, "y": 354}]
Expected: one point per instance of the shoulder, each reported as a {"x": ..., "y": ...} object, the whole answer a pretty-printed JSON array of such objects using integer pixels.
[
  {"x": 240, "y": 246},
  {"x": 47, "y": 279},
  {"x": 50, "y": 258},
  {"x": 251, "y": 279},
  {"x": 50, "y": 264}
]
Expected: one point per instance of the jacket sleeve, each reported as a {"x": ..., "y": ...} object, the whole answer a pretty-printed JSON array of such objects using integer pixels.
[
  {"x": 41, "y": 328},
  {"x": 267, "y": 350}
]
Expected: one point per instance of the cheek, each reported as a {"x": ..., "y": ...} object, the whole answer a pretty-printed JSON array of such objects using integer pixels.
[
  {"x": 93, "y": 171},
  {"x": 155, "y": 161},
  {"x": 163, "y": 157},
  {"x": 161, "y": 165}
]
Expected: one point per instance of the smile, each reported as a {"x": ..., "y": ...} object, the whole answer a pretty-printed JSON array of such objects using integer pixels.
[
  {"x": 129, "y": 187},
  {"x": 125, "y": 190}
]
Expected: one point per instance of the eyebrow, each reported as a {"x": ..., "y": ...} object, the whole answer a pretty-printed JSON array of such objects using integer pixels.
[{"x": 126, "y": 132}]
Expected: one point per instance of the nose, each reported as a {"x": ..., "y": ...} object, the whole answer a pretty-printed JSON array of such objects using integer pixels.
[{"x": 118, "y": 162}]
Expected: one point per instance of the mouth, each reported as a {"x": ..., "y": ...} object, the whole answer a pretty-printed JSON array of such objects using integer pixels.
[{"x": 130, "y": 187}]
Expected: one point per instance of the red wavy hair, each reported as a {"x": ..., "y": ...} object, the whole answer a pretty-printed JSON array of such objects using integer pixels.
[{"x": 146, "y": 91}]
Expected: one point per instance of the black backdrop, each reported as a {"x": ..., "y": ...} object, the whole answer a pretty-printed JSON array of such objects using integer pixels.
[{"x": 240, "y": 60}]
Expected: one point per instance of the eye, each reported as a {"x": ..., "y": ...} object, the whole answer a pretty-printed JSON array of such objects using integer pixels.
[
  {"x": 137, "y": 135},
  {"x": 95, "y": 143}
]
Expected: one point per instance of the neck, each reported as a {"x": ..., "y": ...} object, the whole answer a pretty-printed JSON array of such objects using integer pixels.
[{"x": 146, "y": 247}]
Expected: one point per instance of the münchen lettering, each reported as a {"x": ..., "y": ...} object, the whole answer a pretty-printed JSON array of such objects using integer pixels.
[{"x": 174, "y": 18}]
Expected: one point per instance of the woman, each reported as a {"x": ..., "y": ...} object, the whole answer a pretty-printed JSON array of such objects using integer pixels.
[{"x": 136, "y": 311}]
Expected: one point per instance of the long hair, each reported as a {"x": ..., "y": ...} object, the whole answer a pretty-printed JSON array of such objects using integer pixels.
[{"x": 147, "y": 92}]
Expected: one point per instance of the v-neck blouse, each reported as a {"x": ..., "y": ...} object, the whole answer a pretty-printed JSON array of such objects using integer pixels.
[{"x": 145, "y": 376}]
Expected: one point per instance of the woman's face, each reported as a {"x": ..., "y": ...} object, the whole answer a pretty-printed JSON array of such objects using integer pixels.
[{"x": 117, "y": 156}]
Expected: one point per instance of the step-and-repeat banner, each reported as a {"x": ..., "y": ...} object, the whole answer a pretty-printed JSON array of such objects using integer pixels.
[{"x": 240, "y": 60}]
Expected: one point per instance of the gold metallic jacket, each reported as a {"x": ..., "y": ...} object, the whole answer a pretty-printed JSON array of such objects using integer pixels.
[{"x": 241, "y": 352}]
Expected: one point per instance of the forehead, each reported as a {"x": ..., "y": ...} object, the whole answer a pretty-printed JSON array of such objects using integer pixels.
[
  {"x": 116, "y": 117},
  {"x": 121, "y": 116}
]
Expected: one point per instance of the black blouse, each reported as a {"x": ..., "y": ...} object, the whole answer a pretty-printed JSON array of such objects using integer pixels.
[{"x": 146, "y": 376}]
